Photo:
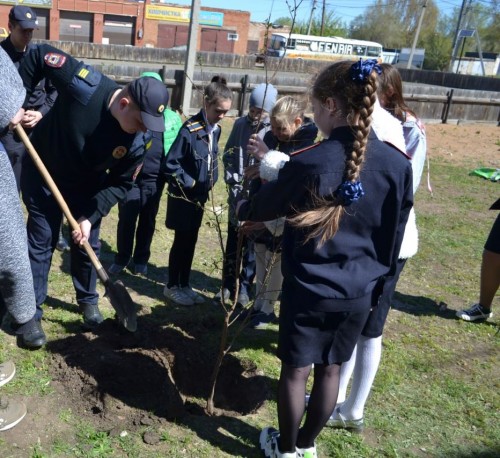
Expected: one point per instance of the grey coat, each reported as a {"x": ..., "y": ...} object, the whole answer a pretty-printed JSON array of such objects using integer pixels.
[{"x": 16, "y": 281}]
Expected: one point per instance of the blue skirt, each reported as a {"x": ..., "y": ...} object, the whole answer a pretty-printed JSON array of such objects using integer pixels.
[{"x": 309, "y": 336}]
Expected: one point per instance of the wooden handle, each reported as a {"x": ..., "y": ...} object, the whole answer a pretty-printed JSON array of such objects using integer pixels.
[{"x": 60, "y": 200}]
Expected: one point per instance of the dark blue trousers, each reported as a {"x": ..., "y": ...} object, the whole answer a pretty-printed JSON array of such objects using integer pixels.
[
  {"x": 137, "y": 219},
  {"x": 44, "y": 221}
]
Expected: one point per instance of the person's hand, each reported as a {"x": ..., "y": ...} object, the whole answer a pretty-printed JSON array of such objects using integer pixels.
[
  {"x": 251, "y": 172},
  {"x": 31, "y": 118},
  {"x": 249, "y": 227},
  {"x": 81, "y": 236},
  {"x": 18, "y": 117},
  {"x": 256, "y": 147}
]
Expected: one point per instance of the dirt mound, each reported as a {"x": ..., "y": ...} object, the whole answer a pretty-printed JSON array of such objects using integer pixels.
[{"x": 121, "y": 377}]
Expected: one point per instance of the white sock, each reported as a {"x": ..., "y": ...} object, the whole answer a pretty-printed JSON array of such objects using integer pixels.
[
  {"x": 345, "y": 375},
  {"x": 368, "y": 356}
]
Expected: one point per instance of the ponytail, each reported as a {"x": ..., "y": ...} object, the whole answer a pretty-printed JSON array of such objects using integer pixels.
[{"x": 217, "y": 90}]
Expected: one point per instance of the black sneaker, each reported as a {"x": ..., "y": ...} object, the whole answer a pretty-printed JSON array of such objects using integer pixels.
[
  {"x": 262, "y": 320},
  {"x": 92, "y": 317},
  {"x": 474, "y": 313},
  {"x": 31, "y": 335}
]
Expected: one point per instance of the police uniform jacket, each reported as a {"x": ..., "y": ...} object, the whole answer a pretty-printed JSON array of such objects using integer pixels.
[
  {"x": 191, "y": 165},
  {"x": 80, "y": 142},
  {"x": 342, "y": 274}
]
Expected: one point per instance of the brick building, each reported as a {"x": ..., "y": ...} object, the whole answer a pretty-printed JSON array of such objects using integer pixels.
[{"x": 150, "y": 23}]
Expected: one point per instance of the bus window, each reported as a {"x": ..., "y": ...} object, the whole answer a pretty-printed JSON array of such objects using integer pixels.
[
  {"x": 373, "y": 51},
  {"x": 290, "y": 43},
  {"x": 359, "y": 50}
]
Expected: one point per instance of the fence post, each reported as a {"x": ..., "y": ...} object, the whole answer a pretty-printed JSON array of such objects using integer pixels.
[
  {"x": 244, "y": 85},
  {"x": 498, "y": 119},
  {"x": 446, "y": 108}
]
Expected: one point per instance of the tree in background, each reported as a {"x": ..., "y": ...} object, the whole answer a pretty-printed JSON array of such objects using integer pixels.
[
  {"x": 332, "y": 26},
  {"x": 394, "y": 22}
]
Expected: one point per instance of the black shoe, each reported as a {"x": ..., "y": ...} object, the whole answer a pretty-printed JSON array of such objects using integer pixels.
[
  {"x": 261, "y": 320},
  {"x": 92, "y": 317},
  {"x": 62, "y": 244},
  {"x": 31, "y": 335}
]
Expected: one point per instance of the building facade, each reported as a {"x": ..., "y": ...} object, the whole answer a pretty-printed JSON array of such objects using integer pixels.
[{"x": 149, "y": 23}]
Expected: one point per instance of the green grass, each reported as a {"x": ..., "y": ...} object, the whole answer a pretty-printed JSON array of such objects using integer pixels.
[{"x": 436, "y": 393}]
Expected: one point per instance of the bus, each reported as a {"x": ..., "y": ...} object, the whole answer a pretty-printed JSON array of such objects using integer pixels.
[{"x": 296, "y": 46}]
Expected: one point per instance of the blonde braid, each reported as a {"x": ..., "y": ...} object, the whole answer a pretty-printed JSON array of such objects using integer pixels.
[{"x": 358, "y": 99}]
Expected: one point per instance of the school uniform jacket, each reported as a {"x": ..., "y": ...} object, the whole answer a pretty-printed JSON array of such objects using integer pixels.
[
  {"x": 342, "y": 274},
  {"x": 82, "y": 145},
  {"x": 191, "y": 166}
]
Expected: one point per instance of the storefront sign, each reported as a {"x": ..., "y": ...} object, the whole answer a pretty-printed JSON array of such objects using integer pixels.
[{"x": 173, "y": 14}]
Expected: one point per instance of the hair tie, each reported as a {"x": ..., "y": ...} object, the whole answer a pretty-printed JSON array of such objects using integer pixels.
[
  {"x": 361, "y": 70},
  {"x": 349, "y": 192}
]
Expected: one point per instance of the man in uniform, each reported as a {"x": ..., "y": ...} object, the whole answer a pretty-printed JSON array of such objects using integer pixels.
[
  {"x": 22, "y": 22},
  {"x": 85, "y": 143}
]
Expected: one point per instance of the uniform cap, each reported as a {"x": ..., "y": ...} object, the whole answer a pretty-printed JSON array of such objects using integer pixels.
[
  {"x": 151, "y": 96},
  {"x": 25, "y": 16},
  {"x": 264, "y": 97}
]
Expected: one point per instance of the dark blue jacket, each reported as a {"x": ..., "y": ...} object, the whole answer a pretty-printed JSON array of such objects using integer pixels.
[
  {"x": 190, "y": 168},
  {"x": 82, "y": 145},
  {"x": 342, "y": 274}
]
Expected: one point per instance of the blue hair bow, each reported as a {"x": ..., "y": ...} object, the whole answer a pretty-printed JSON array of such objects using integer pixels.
[
  {"x": 349, "y": 192},
  {"x": 361, "y": 70}
]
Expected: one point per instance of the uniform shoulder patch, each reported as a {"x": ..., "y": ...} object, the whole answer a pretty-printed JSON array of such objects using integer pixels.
[
  {"x": 195, "y": 126},
  {"x": 307, "y": 148},
  {"x": 54, "y": 60}
]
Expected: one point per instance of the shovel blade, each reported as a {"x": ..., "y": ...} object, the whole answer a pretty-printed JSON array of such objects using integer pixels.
[{"x": 123, "y": 304}]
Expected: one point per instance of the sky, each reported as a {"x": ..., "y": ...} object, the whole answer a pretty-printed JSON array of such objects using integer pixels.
[{"x": 347, "y": 10}]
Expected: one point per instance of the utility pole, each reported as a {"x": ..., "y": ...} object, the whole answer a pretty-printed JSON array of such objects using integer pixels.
[
  {"x": 311, "y": 18},
  {"x": 455, "y": 38},
  {"x": 323, "y": 13},
  {"x": 417, "y": 33},
  {"x": 187, "y": 83}
]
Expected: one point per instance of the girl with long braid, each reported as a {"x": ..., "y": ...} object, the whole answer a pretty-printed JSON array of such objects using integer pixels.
[{"x": 347, "y": 201}]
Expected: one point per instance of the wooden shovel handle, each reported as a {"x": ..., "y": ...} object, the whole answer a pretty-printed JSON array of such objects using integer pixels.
[{"x": 60, "y": 200}]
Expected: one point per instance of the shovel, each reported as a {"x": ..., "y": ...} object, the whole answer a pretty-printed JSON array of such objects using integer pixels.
[{"x": 117, "y": 293}]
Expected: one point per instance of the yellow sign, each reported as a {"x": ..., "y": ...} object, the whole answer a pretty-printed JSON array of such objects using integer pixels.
[{"x": 167, "y": 13}]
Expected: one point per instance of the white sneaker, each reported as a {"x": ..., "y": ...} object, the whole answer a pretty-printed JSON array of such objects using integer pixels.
[
  {"x": 177, "y": 296},
  {"x": 268, "y": 442},
  {"x": 307, "y": 452},
  {"x": 193, "y": 295},
  {"x": 7, "y": 372},
  {"x": 11, "y": 413}
]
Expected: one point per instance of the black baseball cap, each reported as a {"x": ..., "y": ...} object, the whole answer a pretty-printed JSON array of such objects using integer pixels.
[
  {"x": 151, "y": 96},
  {"x": 25, "y": 16}
]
